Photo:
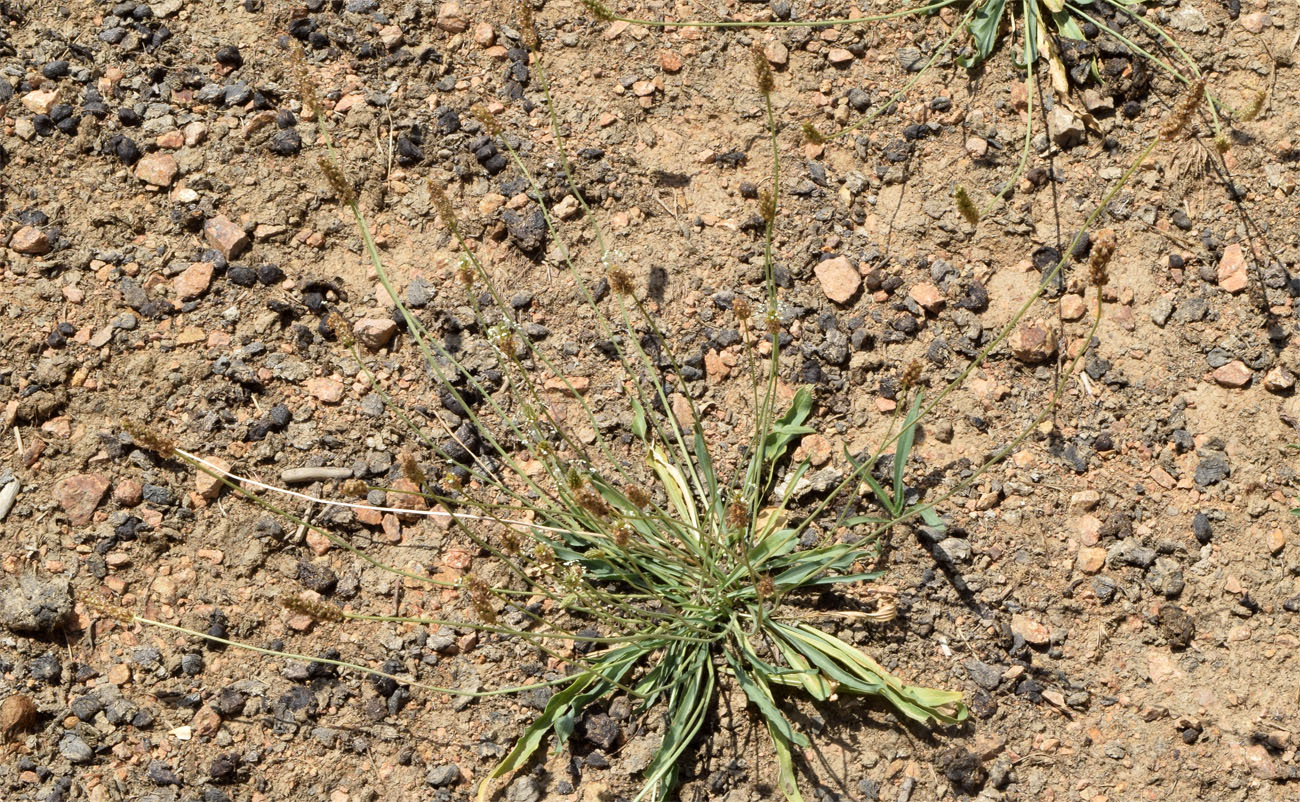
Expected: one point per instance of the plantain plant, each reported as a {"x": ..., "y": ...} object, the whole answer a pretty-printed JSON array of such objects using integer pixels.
[{"x": 677, "y": 567}]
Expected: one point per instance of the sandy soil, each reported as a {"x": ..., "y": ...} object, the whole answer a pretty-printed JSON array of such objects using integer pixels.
[{"x": 1118, "y": 600}]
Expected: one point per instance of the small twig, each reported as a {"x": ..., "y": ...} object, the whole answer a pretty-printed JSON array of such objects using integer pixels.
[
  {"x": 301, "y": 532},
  {"x": 1272, "y": 81},
  {"x": 673, "y": 214},
  {"x": 1087, "y": 383},
  {"x": 247, "y": 481},
  {"x": 18, "y": 437},
  {"x": 1177, "y": 240},
  {"x": 388, "y": 174},
  {"x": 905, "y": 793}
]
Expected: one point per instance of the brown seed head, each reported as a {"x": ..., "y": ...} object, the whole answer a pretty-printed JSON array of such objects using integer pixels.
[
  {"x": 355, "y": 488},
  {"x": 337, "y": 180},
  {"x": 742, "y": 310},
  {"x": 340, "y": 327},
  {"x": 773, "y": 323},
  {"x": 311, "y": 107},
  {"x": 510, "y": 541},
  {"x": 476, "y": 587},
  {"x": 1256, "y": 106},
  {"x": 812, "y": 135},
  {"x": 911, "y": 374},
  {"x": 762, "y": 70},
  {"x": 573, "y": 479},
  {"x": 1103, "y": 248},
  {"x": 486, "y": 612},
  {"x": 149, "y": 439},
  {"x": 637, "y": 495},
  {"x": 737, "y": 515},
  {"x": 480, "y": 597},
  {"x": 543, "y": 554},
  {"x": 620, "y": 282},
  {"x": 592, "y": 502},
  {"x": 1183, "y": 110},
  {"x": 441, "y": 204},
  {"x": 528, "y": 26},
  {"x": 108, "y": 610},
  {"x": 488, "y": 119},
  {"x": 318, "y": 610},
  {"x": 1222, "y": 144},
  {"x": 767, "y": 206},
  {"x": 411, "y": 468},
  {"x": 465, "y": 273},
  {"x": 502, "y": 335},
  {"x": 766, "y": 587},
  {"x": 621, "y": 534},
  {"x": 965, "y": 206},
  {"x": 451, "y": 481}
]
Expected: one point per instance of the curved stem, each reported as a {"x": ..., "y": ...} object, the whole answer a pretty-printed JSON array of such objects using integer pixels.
[{"x": 353, "y": 666}]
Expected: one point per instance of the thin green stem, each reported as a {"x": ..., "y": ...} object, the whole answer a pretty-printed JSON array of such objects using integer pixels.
[{"x": 352, "y": 666}]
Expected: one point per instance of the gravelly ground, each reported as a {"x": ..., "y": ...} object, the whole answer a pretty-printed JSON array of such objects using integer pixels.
[{"x": 1119, "y": 601}]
